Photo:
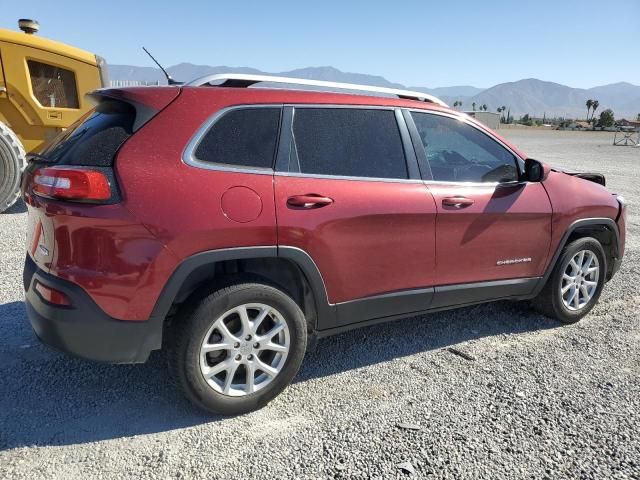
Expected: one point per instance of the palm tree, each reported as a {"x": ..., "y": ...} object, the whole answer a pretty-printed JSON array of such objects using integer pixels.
[
  {"x": 499, "y": 110},
  {"x": 594, "y": 107},
  {"x": 589, "y": 105}
]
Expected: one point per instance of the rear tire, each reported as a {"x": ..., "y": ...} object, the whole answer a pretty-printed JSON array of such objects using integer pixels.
[
  {"x": 571, "y": 292},
  {"x": 12, "y": 163},
  {"x": 230, "y": 331}
]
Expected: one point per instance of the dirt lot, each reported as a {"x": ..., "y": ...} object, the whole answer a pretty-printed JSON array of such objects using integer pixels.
[{"x": 539, "y": 401}]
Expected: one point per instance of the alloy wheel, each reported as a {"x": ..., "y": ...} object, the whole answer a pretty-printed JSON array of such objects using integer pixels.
[
  {"x": 244, "y": 349},
  {"x": 580, "y": 280}
]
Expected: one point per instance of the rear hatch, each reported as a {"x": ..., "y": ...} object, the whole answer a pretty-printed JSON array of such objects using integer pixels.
[{"x": 74, "y": 174}]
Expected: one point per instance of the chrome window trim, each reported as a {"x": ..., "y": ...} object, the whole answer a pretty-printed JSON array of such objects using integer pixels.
[
  {"x": 467, "y": 184},
  {"x": 188, "y": 155},
  {"x": 346, "y": 177},
  {"x": 467, "y": 120},
  {"x": 189, "y": 158}
]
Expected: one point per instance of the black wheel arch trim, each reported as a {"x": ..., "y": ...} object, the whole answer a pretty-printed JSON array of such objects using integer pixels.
[
  {"x": 190, "y": 264},
  {"x": 337, "y": 316},
  {"x": 580, "y": 223},
  {"x": 324, "y": 310},
  {"x": 330, "y": 316}
]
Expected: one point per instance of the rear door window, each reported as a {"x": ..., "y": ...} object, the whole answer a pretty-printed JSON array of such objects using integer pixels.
[
  {"x": 53, "y": 86},
  {"x": 458, "y": 152},
  {"x": 350, "y": 142},
  {"x": 244, "y": 137}
]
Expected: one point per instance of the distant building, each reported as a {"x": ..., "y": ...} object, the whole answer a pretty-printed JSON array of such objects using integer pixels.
[
  {"x": 579, "y": 125},
  {"x": 490, "y": 119},
  {"x": 131, "y": 83},
  {"x": 628, "y": 123}
]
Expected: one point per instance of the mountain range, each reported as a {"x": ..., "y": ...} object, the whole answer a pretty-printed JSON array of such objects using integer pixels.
[{"x": 532, "y": 96}]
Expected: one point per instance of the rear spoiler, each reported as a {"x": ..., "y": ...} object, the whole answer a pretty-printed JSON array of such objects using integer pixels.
[{"x": 147, "y": 101}]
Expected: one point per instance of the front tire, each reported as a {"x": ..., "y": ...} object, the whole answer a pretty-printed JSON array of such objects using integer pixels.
[
  {"x": 238, "y": 347},
  {"x": 576, "y": 282}
]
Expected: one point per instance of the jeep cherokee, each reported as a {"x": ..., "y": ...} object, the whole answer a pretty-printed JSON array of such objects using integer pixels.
[{"x": 232, "y": 225}]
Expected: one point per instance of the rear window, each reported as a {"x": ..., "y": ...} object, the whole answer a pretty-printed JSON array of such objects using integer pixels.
[
  {"x": 352, "y": 142},
  {"x": 95, "y": 138},
  {"x": 53, "y": 87},
  {"x": 244, "y": 137}
]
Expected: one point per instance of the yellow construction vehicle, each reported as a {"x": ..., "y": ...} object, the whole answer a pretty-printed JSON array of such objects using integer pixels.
[{"x": 42, "y": 91}]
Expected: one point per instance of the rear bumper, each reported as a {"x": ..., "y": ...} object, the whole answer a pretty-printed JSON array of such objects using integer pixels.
[{"x": 83, "y": 329}]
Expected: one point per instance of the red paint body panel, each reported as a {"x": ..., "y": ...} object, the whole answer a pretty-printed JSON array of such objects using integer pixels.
[
  {"x": 574, "y": 198},
  {"x": 503, "y": 223},
  {"x": 106, "y": 251},
  {"x": 375, "y": 237},
  {"x": 187, "y": 215}
]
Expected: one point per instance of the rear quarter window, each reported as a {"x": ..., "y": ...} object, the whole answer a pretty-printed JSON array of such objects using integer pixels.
[{"x": 244, "y": 137}]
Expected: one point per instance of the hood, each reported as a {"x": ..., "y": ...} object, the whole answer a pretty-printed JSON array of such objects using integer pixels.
[{"x": 591, "y": 176}]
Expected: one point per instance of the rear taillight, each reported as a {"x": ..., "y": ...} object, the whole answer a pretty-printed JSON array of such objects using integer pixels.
[{"x": 78, "y": 184}]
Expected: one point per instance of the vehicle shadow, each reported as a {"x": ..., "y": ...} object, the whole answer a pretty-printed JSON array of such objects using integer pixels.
[
  {"x": 435, "y": 331},
  {"x": 18, "y": 207},
  {"x": 52, "y": 399}
]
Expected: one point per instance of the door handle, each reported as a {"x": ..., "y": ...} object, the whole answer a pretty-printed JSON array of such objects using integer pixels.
[
  {"x": 457, "y": 202},
  {"x": 309, "y": 201}
]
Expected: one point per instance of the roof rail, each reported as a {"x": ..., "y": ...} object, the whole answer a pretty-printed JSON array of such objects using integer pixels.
[{"x": 242, "y": 80}]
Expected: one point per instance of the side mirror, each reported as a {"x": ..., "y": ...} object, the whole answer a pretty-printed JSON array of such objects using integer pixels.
[{"x": 535, "y": 171}]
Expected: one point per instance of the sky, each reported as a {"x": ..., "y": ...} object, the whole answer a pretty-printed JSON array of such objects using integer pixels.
[{"x": 417, "y": 43}]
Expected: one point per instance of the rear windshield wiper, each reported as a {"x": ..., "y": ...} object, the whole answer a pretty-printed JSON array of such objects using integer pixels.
[{"x": 38, "y": 158}]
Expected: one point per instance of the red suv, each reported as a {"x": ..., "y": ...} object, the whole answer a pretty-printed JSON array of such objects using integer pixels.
[{"x": 234, "y": 225}]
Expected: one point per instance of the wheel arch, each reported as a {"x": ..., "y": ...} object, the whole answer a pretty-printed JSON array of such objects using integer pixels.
[
  {"x": 287, "y": 268},
  {"x": 605, "y": 230}
]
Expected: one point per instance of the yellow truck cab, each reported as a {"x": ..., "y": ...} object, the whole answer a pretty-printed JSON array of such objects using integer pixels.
[{"x": 42, "y": 91}]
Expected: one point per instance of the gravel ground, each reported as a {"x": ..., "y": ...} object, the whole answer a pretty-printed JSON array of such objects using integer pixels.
[{"x": 536, "y": 399}]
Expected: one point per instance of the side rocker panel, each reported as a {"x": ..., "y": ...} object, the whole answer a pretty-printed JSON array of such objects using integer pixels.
[{"x": 360, "y": 312}]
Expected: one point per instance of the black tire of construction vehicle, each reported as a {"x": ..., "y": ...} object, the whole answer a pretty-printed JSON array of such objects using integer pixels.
[{"x": 12, "y": 163}]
